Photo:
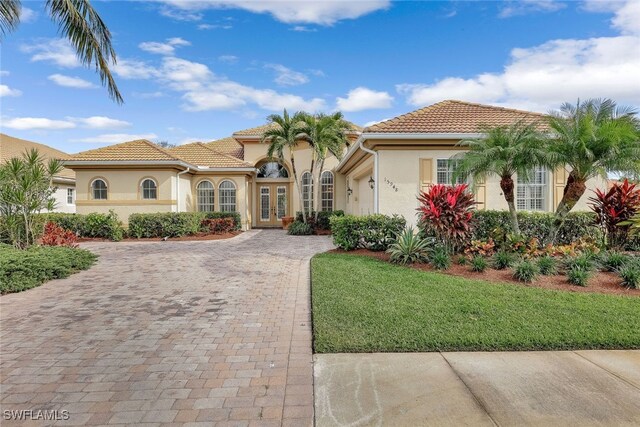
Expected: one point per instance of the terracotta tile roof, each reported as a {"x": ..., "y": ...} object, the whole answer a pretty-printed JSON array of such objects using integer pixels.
[
  {"x": 140, "y": 149},
  {"x": 11, "y": 147},
  {"x": 228, "y": 145},
  {"x": 259, "y": 130},
  {"x": 200, "y": 154},
  {"x": 452, "y": 117}
]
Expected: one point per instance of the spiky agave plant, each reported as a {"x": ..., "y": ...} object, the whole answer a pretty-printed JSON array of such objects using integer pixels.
[{"x": 409, "y": 248}]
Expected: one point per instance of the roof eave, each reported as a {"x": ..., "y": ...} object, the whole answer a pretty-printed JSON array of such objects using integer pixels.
[{"x": 127, "y": 163}]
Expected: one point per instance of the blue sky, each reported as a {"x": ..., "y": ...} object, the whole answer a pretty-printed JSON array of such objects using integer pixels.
[{"x": 201, "y": 70}]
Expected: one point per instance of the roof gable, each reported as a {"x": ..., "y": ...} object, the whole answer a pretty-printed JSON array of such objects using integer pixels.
[
  {"x": 228, "y": 145},
  {"x": 453, "y": 117},
  {"x": 11, "y": 147},
  {"x": 137, "y": 150},
  {"x": 200, "y": 154}
]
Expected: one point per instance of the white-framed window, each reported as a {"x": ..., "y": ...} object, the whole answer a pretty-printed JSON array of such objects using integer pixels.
[
  {"x": 99, "y": 189},
  {"x": 227, "y": 195},
  {"x": 307, "y": 191},
  {"x": 326, "y": 180},
  {"x": 531, "y": 192},
  {"x": 206, "y": 196},
  {"x": 445, "y": 169},
  {"x": 149, "y": 189},
  {"x": 71, "y": 196}
]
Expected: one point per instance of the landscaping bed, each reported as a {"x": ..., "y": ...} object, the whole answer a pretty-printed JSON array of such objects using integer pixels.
[
  {"x": 362, "y": 304},
  {"x": 600, "y": 282}
]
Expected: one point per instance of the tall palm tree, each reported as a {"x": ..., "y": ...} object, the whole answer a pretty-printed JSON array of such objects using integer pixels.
[
  {"x": 592, "y": 138},
  {"x": 326, "y": 134},
  {"x": 79, "y": 22},
  {"x": 285, "y": 136},
  {"x": 503, "y": 151}
]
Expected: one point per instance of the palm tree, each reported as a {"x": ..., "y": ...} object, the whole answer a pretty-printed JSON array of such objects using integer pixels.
[
  {"x": 591, "y": 139},
  {"x": 503, "y": 151},
  {"x": 285, "y": 136},
  {"x": 326, "y": 134},
  {"x": 82, "y": 26}
]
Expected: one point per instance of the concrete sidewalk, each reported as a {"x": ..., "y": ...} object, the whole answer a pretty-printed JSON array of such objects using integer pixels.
[{"x": 569, "y": 388}]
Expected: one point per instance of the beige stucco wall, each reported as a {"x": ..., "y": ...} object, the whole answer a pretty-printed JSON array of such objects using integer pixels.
[
  {"x": 60, "y": 197},
  {"x": 360, "y": 202},
  {"x": 241, "y": 183}
]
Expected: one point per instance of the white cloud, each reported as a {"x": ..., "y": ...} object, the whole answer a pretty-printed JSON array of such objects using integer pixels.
[
  {"x": 228, "y": 59},
  {"x": 115, "y": 138},
  {"x": 523, "y": 7},
  {"x": 68, "y": 81},
  {"x": 375, "y": 122},
  {"x": 286, "y": 76},
  {"x": 180, "y": 14},
  {"x": 100, "y": 122},
  {"x": 303, "y": 29},
  {"x": 215, "y": 26},
  {"x": 302, "y": 11},
  {"x": 544, "y": 76},
  {"x": 362, "y": 98},
  {"x": 191, "y": 140},
  {"x": 7, "y": 91},
  {"x": 27, "y": 15},
  {"x": 167, "y": 48},
  {"x": 149, "y": 95},
  {"x": 37, "y": 123},
  {"x": 134, "y": 69},
  {"x": 4, "y": 73},
  {"x": 56, "y": 51}
]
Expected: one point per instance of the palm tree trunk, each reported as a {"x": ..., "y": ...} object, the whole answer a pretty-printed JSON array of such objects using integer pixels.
[
  {"x": 506, "y": 184},
  {"x": 295, "y": 178},
  {"x": 573, "y": 190},
  {"x": 318, "y": 189}
]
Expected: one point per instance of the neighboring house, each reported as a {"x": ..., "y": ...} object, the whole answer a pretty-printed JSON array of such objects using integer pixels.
[
  {"x": 395, "y": 159},
  {"x": 64, "y": 181},
  {"x": 385, "y": 167}
]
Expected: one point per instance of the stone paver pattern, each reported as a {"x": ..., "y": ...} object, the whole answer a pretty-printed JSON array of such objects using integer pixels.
[{"x": 168, "y": 333}]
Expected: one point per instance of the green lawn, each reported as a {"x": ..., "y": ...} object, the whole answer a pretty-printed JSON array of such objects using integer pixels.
[{"x": 364, "y": 305}]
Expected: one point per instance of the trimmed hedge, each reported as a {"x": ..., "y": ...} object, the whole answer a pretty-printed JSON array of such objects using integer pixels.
[
  {"x": 323, "y": 218},
  {"x": 93, "y": 225},
  {"x": 25, "y": 269},
  {"x": 374, "y": 232},
  {"x": 176, "y": 224},
  {"x": 536, "y": 224}
]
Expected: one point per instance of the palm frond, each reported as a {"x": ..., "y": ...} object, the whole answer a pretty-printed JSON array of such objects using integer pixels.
[
  {"x": 10, "y": 11},
  {"x": 79, "y": 22}
]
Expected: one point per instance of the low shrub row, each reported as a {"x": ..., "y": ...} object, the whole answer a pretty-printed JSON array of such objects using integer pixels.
[
  {"x": 178, "y": 224},
  {"x": 323, "y": 222},
  {"x": 93, "y": 225},
  {"x": 374, "y": 232},
  {"x": 24, "y": 269}
]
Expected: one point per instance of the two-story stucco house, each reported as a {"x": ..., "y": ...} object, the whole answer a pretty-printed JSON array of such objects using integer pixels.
[{"x": 382, "y": 171}]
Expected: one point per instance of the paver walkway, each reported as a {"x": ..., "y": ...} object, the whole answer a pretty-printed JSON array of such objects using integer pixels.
[
  {"x": 554, "y": 388},
  {"x": 209, "y": 332}
]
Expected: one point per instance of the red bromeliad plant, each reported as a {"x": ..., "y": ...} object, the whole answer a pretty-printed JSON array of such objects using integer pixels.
[
  {"x": 446, "y": 211},
  {"x": 619, "y": 204},
  {"x": 54, "y": 235}
]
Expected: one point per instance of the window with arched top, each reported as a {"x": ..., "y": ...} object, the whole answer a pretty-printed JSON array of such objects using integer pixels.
[
  {"x": 149, "y": 189},
  {"x": 307, "y": 191},
  {"x": 99, "y": 189},
  {"x": 227, "y": 195},
  {"x": 326, "y": 201},
  {"x": 272, "y": 170},
  {"x": 206, "y": 195}
]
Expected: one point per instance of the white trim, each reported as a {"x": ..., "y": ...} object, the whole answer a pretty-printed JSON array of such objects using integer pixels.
[{"x": 157, "y": 163}]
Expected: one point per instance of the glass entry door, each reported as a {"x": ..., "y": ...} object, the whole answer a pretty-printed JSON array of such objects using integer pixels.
[{"x": 272, "y": 204}]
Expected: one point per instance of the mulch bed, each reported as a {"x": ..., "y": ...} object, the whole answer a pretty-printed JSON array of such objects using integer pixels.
[
  {"x": 195, "y": 237},
  {"x": 600, "y": 282}
]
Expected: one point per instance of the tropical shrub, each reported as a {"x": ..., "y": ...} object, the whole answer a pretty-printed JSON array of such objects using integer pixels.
[
  {"x": 440, "y": 258},
  {"x": 579, "y": 247},
  {"x": 178, "y": 224},
  {"x": 374, "y": 232},
  {"x": 613, "y": 261},
  {"x": 614, "y": 207},
  {"x": 22, "y": 269},
  {"x": 235, "y": 216},
  {"x": 497, "y": 225},
  {"x": 409, "y": 248},
  {"x": 479, "y": 263},
  {"x": 578, "y": 276},
  {"x": 547, "y": 265},
  {"x": 525, "y": 271},
  {"x": 105, "y": 226},
  {"x": 583, "y": 262},
  {"x": 481, "y": 247},
  {"x": 503, "y": 259},
  {"x": 630, "y": 275},
  {"x": 299, "y": 228},
  {"x": 323, "y": 218},
  {"x": 217, "y": 225},
  {"x": 446, "y": 211},
  {"x": 54, "y": 235}
]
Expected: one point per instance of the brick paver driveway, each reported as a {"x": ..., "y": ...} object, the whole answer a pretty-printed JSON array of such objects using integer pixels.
[{"x": 214, "y": 332}]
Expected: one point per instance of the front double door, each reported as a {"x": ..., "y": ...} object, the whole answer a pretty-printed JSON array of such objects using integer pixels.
[{"x": 272, "y": 203}]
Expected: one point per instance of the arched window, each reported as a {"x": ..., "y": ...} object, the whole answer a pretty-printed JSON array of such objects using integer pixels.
[
  {"x": 99, "y": 189},
  {"x": 307, "y": 191},
  {"x": 206, "y": 196},
  {"x": 227, "y": 191},
  {"x": 149, "y": 189},
  {"x": 327, "y": 191},
  {"x": 272, "y": 170}
]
